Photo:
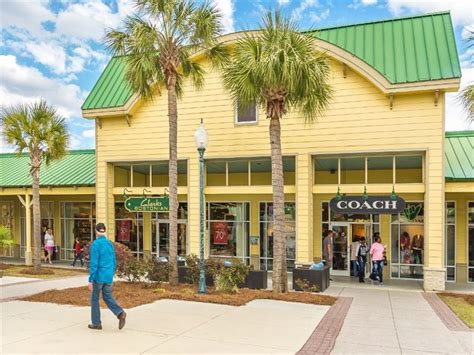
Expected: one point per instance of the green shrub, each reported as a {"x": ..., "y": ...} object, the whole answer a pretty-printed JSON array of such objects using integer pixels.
[
  {"x": 230, "y": 277},
  {"x": 212, "y": 267},
  {"x": 6, "y": 238},
  {"x": 304, "y": 286},
  {"x": 159, "y": 271}
]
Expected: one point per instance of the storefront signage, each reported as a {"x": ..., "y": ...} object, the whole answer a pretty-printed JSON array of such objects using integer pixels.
[
  {"x": 412, "y": 212},
  {"x": 220, "y": 233},
  {"x": 147, "y": 204},
  {"x": 123, "y": 230},
  {"x": 370, "y": 204}
]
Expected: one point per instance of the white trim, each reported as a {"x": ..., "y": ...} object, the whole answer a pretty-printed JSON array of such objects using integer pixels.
[
  {"x": 467, "y": 241},
  {"x": 245, "y": 123},
  {"x": 446, "y": 239}
]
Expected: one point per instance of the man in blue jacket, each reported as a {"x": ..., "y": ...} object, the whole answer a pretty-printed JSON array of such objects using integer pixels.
[{"x": 101, "y": 276}]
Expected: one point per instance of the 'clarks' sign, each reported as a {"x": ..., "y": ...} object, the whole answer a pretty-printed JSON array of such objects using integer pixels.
[
  {"x": 147, "y": 204},
  {"x": 371, "y": 204}
]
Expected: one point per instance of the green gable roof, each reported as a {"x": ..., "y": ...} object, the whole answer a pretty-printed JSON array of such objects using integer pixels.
[
  {"x": 77, "y": 168},
  {"x": 403, "y": 50},
  {"x": 459, "y": 153}
]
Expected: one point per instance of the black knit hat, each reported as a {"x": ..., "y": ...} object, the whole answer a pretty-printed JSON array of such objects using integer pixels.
[{"x": 100, "y": 227}]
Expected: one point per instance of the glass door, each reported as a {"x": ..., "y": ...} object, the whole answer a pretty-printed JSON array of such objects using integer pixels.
[
  {"x": 341, "y": 257},
  {"x": 359, "y": 231},
  {"x": 162, "y": 239}
]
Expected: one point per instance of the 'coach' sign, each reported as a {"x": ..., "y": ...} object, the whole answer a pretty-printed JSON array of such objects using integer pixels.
[{"x": 372, "y": 204}]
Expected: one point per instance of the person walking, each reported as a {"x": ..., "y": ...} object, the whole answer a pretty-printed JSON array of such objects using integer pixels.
[
  {"x": 354, "y": 259},
  {"x": 328, "y": 248},
  {"x": 49, "y": 244},
  {"x": 376, "y": 254},
  {"x": 362, "y": 258},
  {"x": 78, "y": 253},
  {"x": 101, "y": 275}
]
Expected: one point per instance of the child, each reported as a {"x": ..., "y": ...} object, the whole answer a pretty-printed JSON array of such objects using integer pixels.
[{"x": 78, "y": 253}]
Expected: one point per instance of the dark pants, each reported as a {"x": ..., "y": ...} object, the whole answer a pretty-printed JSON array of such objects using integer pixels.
[
  {"x": 109, "y": 300},
  {"x": 80, "y": 257},
  {"x": 362, "y": 262}
]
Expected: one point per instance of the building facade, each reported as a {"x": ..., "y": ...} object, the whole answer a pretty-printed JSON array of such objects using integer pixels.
[{"x": 383, "y": 133}]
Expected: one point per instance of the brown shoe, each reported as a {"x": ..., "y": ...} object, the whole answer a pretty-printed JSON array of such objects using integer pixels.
[
  {"x": 121, "y": 318},
  {"x": 95, "y": 327}
]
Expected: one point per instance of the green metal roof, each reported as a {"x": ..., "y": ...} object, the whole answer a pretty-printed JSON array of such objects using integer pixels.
[
  {"x": 77, "y": 168},
  {"x": 112, "y": 89},
  {"x": 459, "y": 153},
  {"x": 403, "y": 50},
  {"x": 409, "y": 49}
]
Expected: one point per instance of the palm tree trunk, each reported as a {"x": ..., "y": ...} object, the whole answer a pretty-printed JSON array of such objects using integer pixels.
[
  {"x": 35, "y": 170},
  {"x": 280, "y": 281},
  {"x": 173, "y": 179}
]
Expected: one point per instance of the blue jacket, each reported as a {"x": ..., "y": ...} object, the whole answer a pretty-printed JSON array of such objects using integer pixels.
[{"x": 102, "y": 261}]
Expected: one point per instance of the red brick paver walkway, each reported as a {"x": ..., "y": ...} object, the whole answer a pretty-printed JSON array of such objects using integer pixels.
[
  {"x": 450, "y": 320},
  {"x": 324, "y": 336}
]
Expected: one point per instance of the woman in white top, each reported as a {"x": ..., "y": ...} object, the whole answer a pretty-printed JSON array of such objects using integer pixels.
[{"x": 49, "y": 244}]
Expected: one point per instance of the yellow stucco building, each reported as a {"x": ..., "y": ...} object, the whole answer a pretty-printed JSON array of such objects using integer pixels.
[{"x": 383, "y": 133}]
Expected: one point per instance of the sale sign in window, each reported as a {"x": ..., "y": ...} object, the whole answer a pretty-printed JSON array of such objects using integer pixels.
[
  {"x": 123, "y": 231},
  {"x": 220, "y": 233}
]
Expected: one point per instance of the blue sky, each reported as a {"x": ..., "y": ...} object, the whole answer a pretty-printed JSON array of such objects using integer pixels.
[{"x": 52, "y": 49}]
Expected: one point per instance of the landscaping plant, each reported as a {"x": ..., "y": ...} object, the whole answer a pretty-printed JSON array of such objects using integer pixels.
[
  {"x": 158, "y": 42},
  {"x": 279, "y": 69},
  {"x": 40, "y": 131},
  {"x": 229, "y": 278},
  {"x": 6, "y": 238}
]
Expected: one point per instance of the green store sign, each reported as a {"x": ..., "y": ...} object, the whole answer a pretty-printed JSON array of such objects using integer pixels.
[{"x": 147, "y": 204}]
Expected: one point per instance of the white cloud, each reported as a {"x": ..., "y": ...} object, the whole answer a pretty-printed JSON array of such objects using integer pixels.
[
  {"x": 227, "y": 10},
  {"x": 461, "y": 10},
  {"x": 88, "y": 133},
  {"x": 22, "y": 84},
  {"x": 368, "y": 2},
  {"x": 49, "y": 54},
  {"x": 304, "y": 5},
  {"x": 456, "y": 116},
  {"x": 315, "y": 17},
  {"x": 283, "y": 2},
  {"x": 28, "y": 15}
]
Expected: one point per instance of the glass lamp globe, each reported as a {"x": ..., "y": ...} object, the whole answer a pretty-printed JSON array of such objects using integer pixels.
[{"x": 200, "y": 136}]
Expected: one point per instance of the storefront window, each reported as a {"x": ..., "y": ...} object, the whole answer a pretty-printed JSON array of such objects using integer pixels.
[
  {"x": 408, "y": 169},
  {"x": 261, "y": 172},
  {"x": 78, "y": 220},
  {"x": 470, "y": 227},
  {"x": 353, "y": 170},
  {"x": 325, "y": 171},
  {"x": 129, "y": 228},
  {"x": 450, "y": 239},
  {"x": 380, "y": 170},
  {"x": 160, "y": 232},
  {"x": 141, "y": 175},
  {"x": 266, "y": 235},
  {"x": 47, "y": 213},
  {"x": 238, "y": 172},
  {"x": 122, "y": 175},
  {"x": 228, "y": 226},
  {"x": 7, "y": 216},
  {"x": 407, "y": 242}
]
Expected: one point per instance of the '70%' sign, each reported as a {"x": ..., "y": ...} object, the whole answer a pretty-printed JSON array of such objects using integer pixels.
[{"x": 147, "y": 204}]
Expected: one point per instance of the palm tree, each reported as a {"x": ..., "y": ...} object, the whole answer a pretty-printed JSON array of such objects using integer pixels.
[
  {"x": 40, "y": 131},
  {"x": 158, "y": 41},
  {"x": 278, "y": 68},
  {"x": 466, "y": 96}
]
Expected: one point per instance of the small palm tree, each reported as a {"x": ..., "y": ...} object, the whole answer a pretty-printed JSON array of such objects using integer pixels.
[
  {"x": 41, "y": 132},
  {"x": 279, "y": 68},
  {"x": 158, "y": 42}
]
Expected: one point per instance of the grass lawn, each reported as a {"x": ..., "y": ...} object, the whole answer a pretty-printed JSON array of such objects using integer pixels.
[
  {"x": 130, "y": 295},
  {"x": 462, "y": 305},
  {"x": 46, "y": 272}
]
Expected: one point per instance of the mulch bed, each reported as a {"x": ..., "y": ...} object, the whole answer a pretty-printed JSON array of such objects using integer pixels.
[
  {"x": 31, "y": 271},
  {"x": 468, "y": 297},
  {"x": 130, "y": 295}
]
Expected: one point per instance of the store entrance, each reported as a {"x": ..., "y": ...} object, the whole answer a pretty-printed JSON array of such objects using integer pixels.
[
  {"x": 345, "y": 234},
  {"x": 161, "y": 238}
]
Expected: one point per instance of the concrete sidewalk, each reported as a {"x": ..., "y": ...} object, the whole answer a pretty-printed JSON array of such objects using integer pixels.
[
  {"x": 165, "y": 326},
  {"x": 392, "y": 321},
  {"x": 26, "y": 288}
]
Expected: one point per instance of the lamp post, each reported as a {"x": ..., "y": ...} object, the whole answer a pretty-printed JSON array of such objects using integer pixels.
[{"x": 201, "y": 139}]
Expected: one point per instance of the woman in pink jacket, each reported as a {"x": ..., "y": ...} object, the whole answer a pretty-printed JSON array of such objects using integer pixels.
[{"x": 376, "y": 254}]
